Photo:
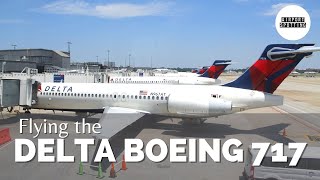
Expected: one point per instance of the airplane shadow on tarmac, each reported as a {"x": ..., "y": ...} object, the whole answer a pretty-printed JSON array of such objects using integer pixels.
[{"x": 206, "y": 130}]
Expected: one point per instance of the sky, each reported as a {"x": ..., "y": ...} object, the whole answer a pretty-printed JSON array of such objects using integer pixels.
[{"x": 168, "y": 33}]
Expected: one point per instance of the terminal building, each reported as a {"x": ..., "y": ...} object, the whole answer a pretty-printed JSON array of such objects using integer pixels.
[
  {"x": 92, "y": 66},
  {"x": 44, "y": 60}
]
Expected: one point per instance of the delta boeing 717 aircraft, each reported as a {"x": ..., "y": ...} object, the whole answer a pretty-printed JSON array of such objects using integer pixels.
[
  {"x": 209, "y": 77},
  {"x": 253, "y": 89}
]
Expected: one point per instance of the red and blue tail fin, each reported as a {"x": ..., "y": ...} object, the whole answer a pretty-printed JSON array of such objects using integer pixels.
[
  {"x": 216, "y": 69},
  {"x": 202, "y": 70},
  {"x": 194, "y": 70},
  {"x": 275, "y": 64}
]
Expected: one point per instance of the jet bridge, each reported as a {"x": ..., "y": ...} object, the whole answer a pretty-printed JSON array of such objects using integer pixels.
[
  {"x": 19, "y": 92},
  {"x": 16, "y": 92}
]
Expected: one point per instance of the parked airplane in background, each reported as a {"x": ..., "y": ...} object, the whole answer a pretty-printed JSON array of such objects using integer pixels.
[
  {"x": 218, "y": 63},
  {"x": 200, "y": 71},
  {"x": 207, "y": 78},
  {"x": 123, "y": 104}
]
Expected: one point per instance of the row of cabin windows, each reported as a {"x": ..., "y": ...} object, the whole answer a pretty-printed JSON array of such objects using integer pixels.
[
  {"x": 146, "y": 82},
  {"x": 104, "y": 96}
]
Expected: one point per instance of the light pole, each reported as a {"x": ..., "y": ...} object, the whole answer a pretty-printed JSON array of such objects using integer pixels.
[
  {"x": 69, "y": 43},
  {"x": 129, "y": 59},
  {"x": 108, "y": 57},
  {"x": 97, "y": 59},
  {"x": 14, "y": 46}
]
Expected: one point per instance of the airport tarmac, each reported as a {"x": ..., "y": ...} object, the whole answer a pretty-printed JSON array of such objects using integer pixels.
[{"x": 300, "y": 116}]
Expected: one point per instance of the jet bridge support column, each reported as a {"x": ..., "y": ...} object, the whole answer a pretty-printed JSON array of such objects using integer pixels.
[{"x": 28, "y": 92}]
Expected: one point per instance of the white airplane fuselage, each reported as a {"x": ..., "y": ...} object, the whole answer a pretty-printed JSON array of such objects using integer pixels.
[
  {"x": 170, "y": 100},
  {"x": 165, "y": 80},
  {"x": 178, "y": 74}
]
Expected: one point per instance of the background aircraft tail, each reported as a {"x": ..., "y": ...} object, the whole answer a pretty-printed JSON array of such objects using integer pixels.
[
  {"x": 216, "y": 69},
  {"x": 202, "y": 70},
  {"x": 275, "y": 64}
]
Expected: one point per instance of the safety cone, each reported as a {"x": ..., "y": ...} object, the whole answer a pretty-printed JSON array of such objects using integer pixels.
[
  {"x": 80, "y": 168},
  {"x": 124, "y": 164},
  {"x": 284, "y": 133},
  {"x": 112, "y": 171},
  {"x": 100, "y": 176}
]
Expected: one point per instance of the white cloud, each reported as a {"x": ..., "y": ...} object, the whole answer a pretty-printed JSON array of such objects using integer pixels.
[
  {"x": 276, "y": 8},
  {"x": 11, "y": 21},
  {"x": 110, "y": 10}
]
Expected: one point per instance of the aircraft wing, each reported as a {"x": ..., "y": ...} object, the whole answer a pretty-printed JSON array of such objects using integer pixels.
[{"x": 114, "y": 119}]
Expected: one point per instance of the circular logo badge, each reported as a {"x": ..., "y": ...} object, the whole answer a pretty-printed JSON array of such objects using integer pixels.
[{"x": 293, "y": 22}]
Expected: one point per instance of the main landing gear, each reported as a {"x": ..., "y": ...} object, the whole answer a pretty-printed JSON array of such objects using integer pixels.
[
  {"x": 193, "y": 121},
  {"x": 26, "y": 110}
]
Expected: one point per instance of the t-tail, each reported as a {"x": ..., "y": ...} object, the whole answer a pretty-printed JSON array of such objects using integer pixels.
[
  {"x": 275, "y": 64},
  {"x": 202, "y": 70},
  {"x": 216, "y": 69}
]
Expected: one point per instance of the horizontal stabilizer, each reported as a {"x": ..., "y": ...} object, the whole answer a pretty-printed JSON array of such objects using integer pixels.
[
  {"x": 221, "y": 62},
  {"x": 304, "y": 49}
]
